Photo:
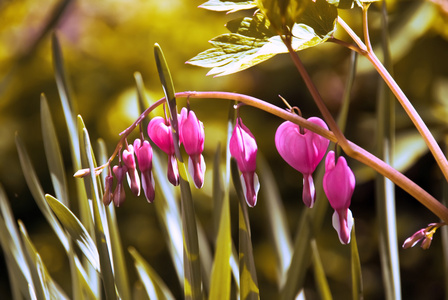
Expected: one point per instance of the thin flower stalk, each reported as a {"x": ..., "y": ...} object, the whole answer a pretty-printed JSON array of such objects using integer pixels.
[
  {"x": 401, "y": 97},
  {"x": 351, "y": 149}
]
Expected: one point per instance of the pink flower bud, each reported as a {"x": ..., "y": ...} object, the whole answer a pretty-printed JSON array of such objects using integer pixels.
[
  {"x": 144, "y": 158},
  {"x": 119, "y": 194},
  {"x": 243, "y": 148},
  {"x": 132, "y": 174},
  {"x": 108, "y": 195},
  {"x": 159, "y": 131},
  {"x": 339, "y": 183},
  {"x": 191, "y": 134},
  {"x": 303, "y": 151}
]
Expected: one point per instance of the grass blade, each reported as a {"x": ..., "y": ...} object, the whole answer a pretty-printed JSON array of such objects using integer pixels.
[
  {"x": 319, "y": 274},
  {"x": 385, "y": 189},
  {"x": 192, "y": 267},
  {"x": 276, "y": 215},
  {"x": 100, "y": 219},
  {"x": 154, "y": 285},
  {"x": 38, "y": 194},
  {"x": 357, "y": 286},
  {"x": 53, "y": 153},
  {"x": 76, "y": 230}
]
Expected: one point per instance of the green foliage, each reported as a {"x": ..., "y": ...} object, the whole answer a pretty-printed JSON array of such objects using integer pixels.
[
  {"x": 229, "y": 6},
  {"x": 253, "y": 39}
]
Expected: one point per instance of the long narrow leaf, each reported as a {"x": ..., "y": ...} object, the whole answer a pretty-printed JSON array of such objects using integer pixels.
[
  {"x": 76, "y": 230},
  {"x": 276, "y": 215},
  {"x": 357, "y": 286},
  {"x": 192, "y": 268},
  {"x": 385, "y": 189},
  {"x": 248, "y": 275},
  {"x": 53, "y": 153},
  {"x": 319, "y": 274},
  {"x": 119, "y": 260},
  {"x": 38, "y": 194},
  {"x": 154, "y": 285},
  {"x": 101, "y": 226}
]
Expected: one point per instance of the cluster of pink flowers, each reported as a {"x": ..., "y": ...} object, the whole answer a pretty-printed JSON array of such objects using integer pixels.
[
  {"x": 299, "y": 147},
  {"x": 191, "y": 135},
  {"x": 303, "y": 150}
]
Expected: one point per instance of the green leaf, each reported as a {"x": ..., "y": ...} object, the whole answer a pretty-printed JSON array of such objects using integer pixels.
[
  {"x": 319, "y": 273},
  {"x": 76, "y": 230},
  {"x": 229, "y": 6},
  {"x": 220, "y": 280},
  {"x": 154, "y": 285},
  {"x": 53, "y": 153},
  {"x": 345, "y": 4},
  {"x": 192, "y": 266},
  {"x": 38, "y": 194},
  {"x": 276, "y": 216},
  {"x": 283, "y": 13},
  {"x": 357, "y": 286},
  {"x": 252, "y": 40},
  {"x": 100, "y": 219},
  {"x": 44, "y": 286}
]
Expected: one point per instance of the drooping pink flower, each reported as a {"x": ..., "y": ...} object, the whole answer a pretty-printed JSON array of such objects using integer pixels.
[
  {"x": 303, "y": 151},
  {"x": 144, "y": 158},
  {"x": 191, "y": 134},
  {"x": 108, "y": 195},
  {"x": 132, "y": 174},
  {"x": 119, "y": 194},
  {"x": 339, "y": 183},
  {"x": 243, "y": 148},
  {"x": 159, "y": 131}
]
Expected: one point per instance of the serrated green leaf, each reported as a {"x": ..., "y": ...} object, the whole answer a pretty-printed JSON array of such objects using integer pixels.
[
  {"x": 229, "y": 6},
  {"x": 252, "y": 40},
  {"x": 345, "y": 4},
  {"x": 154, "y": 285},
  {"x": 76, "y": 230},
  {"x": 283, "y": 13},
  {"x": 38, "y": 194},
  {"x": 53, "y": 153}
]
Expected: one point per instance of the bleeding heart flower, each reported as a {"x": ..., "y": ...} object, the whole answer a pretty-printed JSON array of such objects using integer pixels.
[
  {"x": 243, "y": 148},
  {"x": 339, "y": 183},
  {"x": 159, "y": 131},
  {"x": 191, "y": 134},
  {"x": 108, "y": 196},
  {"x": 119, "y": 194},
  {"x": 302, "y": 150},
  {"x": 144, "y": 158},
  {"x": 132, "y": 174}
]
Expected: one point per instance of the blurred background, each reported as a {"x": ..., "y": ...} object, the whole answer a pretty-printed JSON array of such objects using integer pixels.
[{"x": 105, "y": 42}]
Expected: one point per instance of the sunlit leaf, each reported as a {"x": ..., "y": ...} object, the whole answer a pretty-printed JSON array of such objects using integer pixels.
[
  {"x": 38, "y": 193},
  {"x": 154, "y": 285},
  {"x": 229, "y": 6},
  {"x": 101, "y": 226},
  {"x": 252, "y": 40},
  {"x": 53, "y": 153},
  {"x": 276, "y": 215},
  {"x": 319, "y": 273},
  {"x": 357, "y": 286},
  {"x": 76, "y": 230},
  {"x": 283, "y": 13},
  {"x": 119, "y": 260},
  {"x": 248, "y": 275},
  {"x": 192, "y": 267},
  {"x": 44, "y": 286}
]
